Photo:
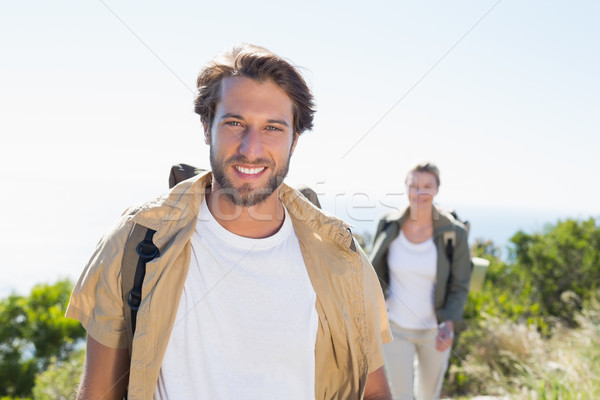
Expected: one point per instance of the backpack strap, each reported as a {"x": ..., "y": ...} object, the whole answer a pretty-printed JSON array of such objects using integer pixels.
[
  {"x": 139, "y": 250},
  {"x": 449, "y": 240}
]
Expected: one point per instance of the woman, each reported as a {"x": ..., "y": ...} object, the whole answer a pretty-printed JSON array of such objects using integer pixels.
[{"x": 422, "y": 260}]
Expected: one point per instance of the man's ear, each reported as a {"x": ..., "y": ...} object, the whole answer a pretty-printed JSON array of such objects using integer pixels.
[{"x": 206, "y": 127}]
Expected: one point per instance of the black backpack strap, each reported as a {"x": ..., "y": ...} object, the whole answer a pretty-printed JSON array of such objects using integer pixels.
[{"x": 139, "y": 250}]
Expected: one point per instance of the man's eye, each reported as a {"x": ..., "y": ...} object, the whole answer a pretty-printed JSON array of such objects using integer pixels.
[
  {"x": 232, "y": 123},
  {"x": 273, "y": 128}
]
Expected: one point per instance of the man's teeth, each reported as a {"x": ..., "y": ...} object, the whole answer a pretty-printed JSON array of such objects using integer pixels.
[{"x": 250, "y": 171}]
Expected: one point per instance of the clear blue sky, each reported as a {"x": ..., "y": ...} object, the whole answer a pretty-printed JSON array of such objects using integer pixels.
[{"x": 96, "y": 105}]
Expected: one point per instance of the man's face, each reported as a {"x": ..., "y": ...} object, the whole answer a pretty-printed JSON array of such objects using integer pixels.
[{"x": 251, "y": 140}]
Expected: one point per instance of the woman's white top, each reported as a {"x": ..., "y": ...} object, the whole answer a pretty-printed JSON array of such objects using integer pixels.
[{"x": 412, "y": 269}]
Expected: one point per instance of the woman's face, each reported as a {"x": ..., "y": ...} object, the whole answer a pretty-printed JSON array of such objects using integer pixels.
[{"x": 422, "y": 188}]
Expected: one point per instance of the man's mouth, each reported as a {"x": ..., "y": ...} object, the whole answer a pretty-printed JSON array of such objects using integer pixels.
[{"x": 249, "y": 171}]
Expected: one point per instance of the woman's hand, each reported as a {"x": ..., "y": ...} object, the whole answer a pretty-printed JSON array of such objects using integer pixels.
[{"x": 445, "y": 336}]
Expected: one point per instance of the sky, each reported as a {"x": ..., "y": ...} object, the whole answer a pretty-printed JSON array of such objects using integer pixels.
[{"x": 96, "y": 104}]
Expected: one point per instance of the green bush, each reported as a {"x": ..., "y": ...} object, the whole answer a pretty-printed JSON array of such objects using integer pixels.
[
  {"x": 550, "y": 276},
  {"x": 507, "y": 294},
  {"x": 533, "y": 330},
  {"x": 61, "y": 379},
  {"x": 33, "y": 332},
  {"x": 564, "y": 263},
  {"x": 513, "y": 359}
]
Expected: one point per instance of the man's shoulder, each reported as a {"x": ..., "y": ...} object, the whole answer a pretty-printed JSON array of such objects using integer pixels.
[{"x": 180, "y": 202}]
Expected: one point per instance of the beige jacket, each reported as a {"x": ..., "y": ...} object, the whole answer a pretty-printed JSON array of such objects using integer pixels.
[{"x": 352, "y": 316}]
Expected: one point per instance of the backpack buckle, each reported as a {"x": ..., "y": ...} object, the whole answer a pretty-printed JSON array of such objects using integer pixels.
[
  {"x": 147, "y": 250},
  {"x": 134, "y": 299}
]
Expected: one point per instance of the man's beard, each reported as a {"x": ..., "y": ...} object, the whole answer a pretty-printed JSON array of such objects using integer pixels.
[{"x": 245, "y": 196}]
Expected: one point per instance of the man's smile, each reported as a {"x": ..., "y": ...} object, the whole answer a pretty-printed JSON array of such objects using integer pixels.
[{"x": 249, "y": 171}]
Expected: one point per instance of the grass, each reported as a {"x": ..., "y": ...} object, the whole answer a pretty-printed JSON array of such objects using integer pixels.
[{"x": 510, "y": 359}]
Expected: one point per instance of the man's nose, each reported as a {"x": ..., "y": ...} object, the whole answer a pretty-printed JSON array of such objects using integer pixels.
[{"x": 251, "y": 143}]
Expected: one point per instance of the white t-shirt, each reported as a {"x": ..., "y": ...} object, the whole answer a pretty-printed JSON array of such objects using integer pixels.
[
  {"x": 246, "y": 325},
  {"x": 413, "y": 272}
]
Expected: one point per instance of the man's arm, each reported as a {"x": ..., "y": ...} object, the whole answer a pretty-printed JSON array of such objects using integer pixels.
[
  {"x": 377, "y": 387},
  {"x": 105, "y": 373}
]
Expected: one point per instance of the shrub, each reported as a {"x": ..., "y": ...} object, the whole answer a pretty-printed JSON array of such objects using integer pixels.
[
  {"x": 33, "y": 330},
  {"x": 61, "y": 379},
  {"x": 563, "y": 262},
  {"x": 515, "y": 360}
]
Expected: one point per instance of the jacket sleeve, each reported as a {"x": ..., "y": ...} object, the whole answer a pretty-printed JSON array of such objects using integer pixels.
[
  {"x": 96, "y": 300},
  {"x": 458, "y": 281},
  {"x": 377, "y": 253},
  {"x": 378, "y": 329}
]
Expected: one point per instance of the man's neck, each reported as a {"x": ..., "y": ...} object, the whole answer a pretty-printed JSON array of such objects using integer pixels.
[{"x": 260, "y": 221}]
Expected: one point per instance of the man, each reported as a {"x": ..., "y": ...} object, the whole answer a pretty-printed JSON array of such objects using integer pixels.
[{"x": 256, "y": 293}]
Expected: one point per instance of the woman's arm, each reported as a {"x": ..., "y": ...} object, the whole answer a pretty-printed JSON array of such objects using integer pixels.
[{"x": 445, "y": 336}]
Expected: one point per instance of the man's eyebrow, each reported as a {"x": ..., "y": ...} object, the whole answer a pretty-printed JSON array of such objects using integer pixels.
[
  {"x": 278, "y": 121},
  {"x": 230, "y": 115}
]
